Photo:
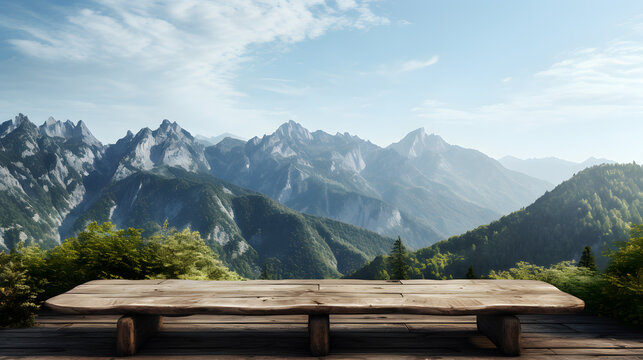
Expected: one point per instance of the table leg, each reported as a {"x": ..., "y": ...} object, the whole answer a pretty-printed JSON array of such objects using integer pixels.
[
  {"x": 503, "y": 330},
  {"x": 133, "y": 330},
  {"x": 319, "y": 334}
]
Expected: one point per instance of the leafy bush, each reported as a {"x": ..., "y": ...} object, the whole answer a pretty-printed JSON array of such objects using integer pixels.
[
  {"x": 618, "y": 292},
  {"x": 100, "y": 252},
  {"x": 625, "y": 277},
  {"x": 184, "y": 255},
  {"x": 580, "y": 281},
  {"x": 17, "y": 298}
]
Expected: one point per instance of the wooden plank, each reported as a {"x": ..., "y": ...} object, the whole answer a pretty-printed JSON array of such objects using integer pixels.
[
  {"x": 319, "y": 334},
  {"x": 448, "y": 286},
  {"x": 133, "y": 330},
  {"x": 120, "y": 282},
  {"x": 450, "y": 297},
  {"x": 503, "y": 330},
  {"x": 206, "y": 288}
]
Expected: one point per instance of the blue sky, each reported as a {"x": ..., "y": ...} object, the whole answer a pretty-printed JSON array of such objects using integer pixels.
[{"x": 523, "y": 78}]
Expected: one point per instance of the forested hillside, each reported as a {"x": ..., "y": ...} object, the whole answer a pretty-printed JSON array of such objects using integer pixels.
[
  {"x": 595, "y": 207},
  {"x": 247, "y": 229}
]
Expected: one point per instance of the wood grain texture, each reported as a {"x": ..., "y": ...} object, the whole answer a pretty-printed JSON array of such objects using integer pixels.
[
  {"x": 304, "y": 297},
  {"x": 319, "y": 334},
  {"x": 502, "y": 330},
  {"x": 133, "y": 330}
]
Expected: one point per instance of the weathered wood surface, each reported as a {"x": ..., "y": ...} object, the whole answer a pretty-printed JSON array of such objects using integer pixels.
[
  {"x": 319, "y": 334},
  {"x": 282, "y": 297},
  {"x": 502, "y": 330},
  {"x": 404, "y": 336},
  {"x": 133, "y": 330}
]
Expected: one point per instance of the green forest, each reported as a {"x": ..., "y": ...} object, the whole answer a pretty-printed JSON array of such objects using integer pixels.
[
  {"x": 595, "y": 208},
  {"x": 617, "y": 291},
  {"x": 247, "y": 230}
]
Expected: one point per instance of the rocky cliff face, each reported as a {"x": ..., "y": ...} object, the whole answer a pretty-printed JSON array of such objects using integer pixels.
[
  {"x": 42, "y": 171},
  {"x": 169, "y": 145}
]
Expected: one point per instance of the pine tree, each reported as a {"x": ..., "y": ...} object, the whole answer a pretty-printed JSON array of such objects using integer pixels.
[
  {"x": 470, "y": 274},
  {"x": 399, "y": 267},
  {"x": 266, "y": 272},
  {"x": 17, "y": 299},
  {"x": 587, "y": 259}
]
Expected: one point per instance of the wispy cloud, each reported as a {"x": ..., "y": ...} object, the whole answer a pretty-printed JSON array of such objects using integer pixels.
[
  {"x": 282, "y": 87},
  {"x": 407, "y": 66},
  {"x": 185, "y": 53},
  {"x": 588, "y": 84}
]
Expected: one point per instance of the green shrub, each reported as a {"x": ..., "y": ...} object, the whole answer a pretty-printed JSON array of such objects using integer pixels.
[
  {"x": 618, "y": 292},
  {"x": 581, "y": 282},
  {"x": 184, "y": 255},
  {"x": 624, "y": 274},
  {"x": 17, "y": 298},
  {"x": 30, "y": 275}
]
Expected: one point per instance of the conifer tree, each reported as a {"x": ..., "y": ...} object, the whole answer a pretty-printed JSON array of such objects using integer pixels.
[
  {"x": 266, "y": 273},
  {"x": 399, "y": 267},
  {"x": 470, "y": 274},
  {"x": 587, "y": 259},
  {"x": 17, "y": 299}
]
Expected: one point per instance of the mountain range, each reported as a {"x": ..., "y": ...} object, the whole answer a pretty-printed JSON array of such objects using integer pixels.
[
  {"x": 56, "y": 178},
  {"x": 550, "y": 169},
  {"x": 320, "y": 190},
  {"x": 213, "y": 140},
  {"x": 420, "y": 188},
  {"x": 594, "y": 208}
]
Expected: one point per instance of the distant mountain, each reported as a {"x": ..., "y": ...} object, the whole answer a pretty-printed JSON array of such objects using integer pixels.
[
  {"x": 421, "y": 188},
  {"x": 470, "y": 174},
  {"x": 169, "y": 145},
  {"x": 315, "y": 173},
  {"x": 56, "y": 178},
  {"x": 42, "y": 177},
  {"x": 594, "y": 207},
  {"x": 213, "y": 140},
  {"x": 550, "y": 169}
]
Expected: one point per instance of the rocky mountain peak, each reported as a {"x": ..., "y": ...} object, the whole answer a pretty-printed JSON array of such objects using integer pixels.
[
  {"x": 82, "y": 132},
  {"x": 418, "y": 142},
  {"x": 172, "y": 129},
  {"x": 293, "y": 130},
  {"x": 169, "y": 145},
  {"x": 167, "y": 125},
  {"x": 10, "y": 125},
  {"x": 56, "y": 128},
  {"x": 67, "y": 130}
]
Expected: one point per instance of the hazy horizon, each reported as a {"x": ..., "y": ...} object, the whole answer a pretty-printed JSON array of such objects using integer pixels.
[{"x": 528, "y": 79}]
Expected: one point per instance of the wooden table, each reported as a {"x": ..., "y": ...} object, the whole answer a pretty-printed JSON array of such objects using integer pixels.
[{"x": 144, "y": 302}]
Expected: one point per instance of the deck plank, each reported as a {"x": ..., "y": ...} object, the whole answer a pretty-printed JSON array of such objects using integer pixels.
[{"x": 352, "y": 336}]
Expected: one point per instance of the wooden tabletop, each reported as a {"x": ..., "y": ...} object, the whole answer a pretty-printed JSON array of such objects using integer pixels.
[{"x": 283, "y": 297}]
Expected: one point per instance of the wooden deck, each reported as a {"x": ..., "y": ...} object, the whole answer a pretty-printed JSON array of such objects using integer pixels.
[{"x": 581, "y": 336}]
